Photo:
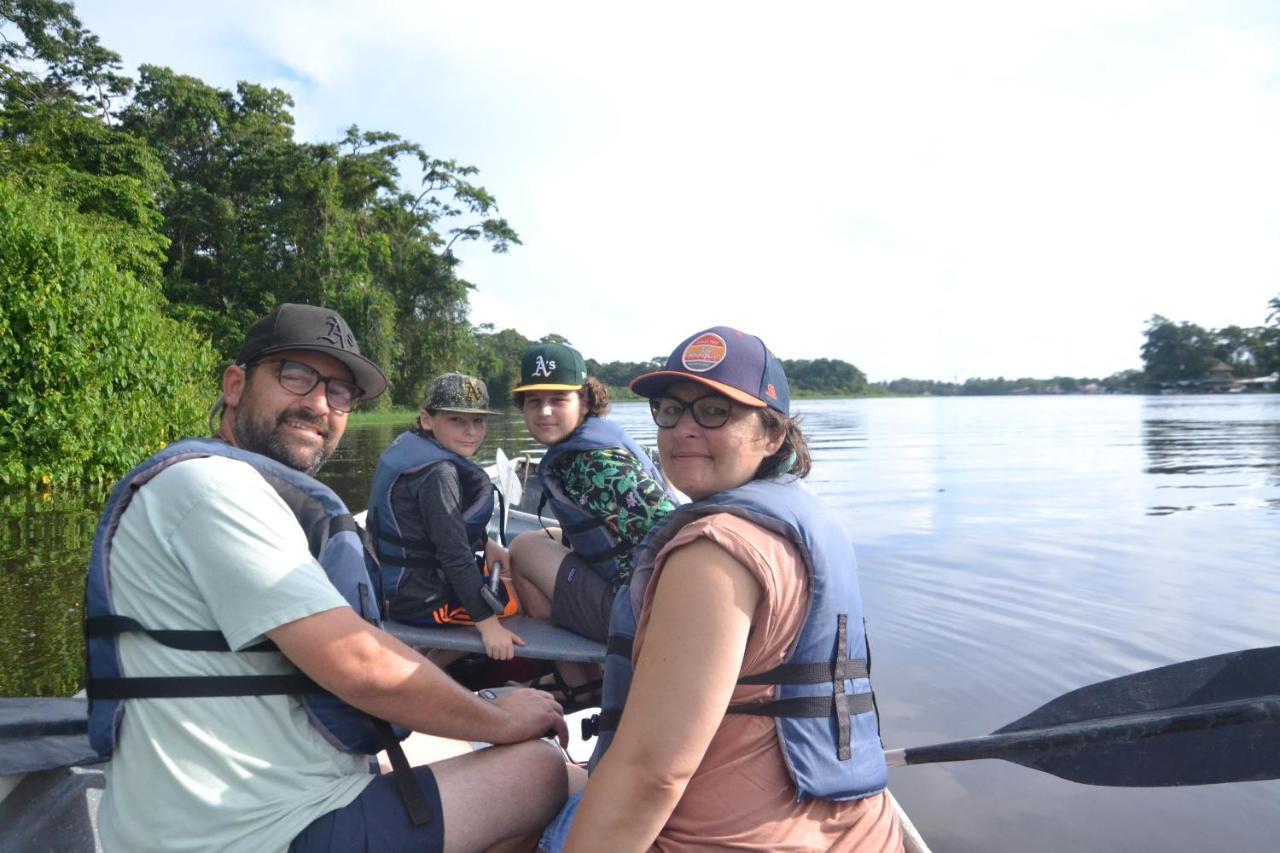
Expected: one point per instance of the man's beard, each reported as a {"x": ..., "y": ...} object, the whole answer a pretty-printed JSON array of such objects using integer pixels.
[{"x": 261, "y": 436}]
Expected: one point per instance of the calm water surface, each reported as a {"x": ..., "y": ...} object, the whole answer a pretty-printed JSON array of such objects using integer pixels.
[{"x": 1010, "y": 549}]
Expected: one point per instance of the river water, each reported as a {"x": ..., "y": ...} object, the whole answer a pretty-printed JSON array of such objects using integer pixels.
[{"x": 1010, "y": 549}]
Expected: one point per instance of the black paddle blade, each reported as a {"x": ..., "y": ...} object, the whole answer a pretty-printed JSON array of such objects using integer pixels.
[{"x": 1201, "y": 722}]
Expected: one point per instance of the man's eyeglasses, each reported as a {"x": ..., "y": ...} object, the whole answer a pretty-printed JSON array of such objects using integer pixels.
[
  {"x": 300, "y": 379},
  {"x": 709, "y": 412}
]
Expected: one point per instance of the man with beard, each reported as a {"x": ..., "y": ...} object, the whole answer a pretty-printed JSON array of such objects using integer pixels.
[{"x": 225, "y": 538}]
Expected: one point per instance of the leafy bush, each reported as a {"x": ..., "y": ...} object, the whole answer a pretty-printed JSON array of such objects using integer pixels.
[{"x": 93, "y": 375}]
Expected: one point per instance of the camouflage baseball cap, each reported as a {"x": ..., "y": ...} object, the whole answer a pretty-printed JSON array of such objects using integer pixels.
[{"x": 457, "y": 392}]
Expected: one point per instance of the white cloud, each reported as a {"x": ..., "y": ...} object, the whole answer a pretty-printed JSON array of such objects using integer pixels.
[{"x": 938, "y": 190}]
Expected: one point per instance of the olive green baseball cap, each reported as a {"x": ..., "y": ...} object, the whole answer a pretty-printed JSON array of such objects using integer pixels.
[
  {"x": 551, "y": 367},
  {"x": 457, "y": 392}
]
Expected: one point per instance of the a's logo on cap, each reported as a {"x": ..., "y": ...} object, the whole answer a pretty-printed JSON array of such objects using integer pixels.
[
  {"x": 337, "y": 335},
  {"x": 704, "y": 352},
  {"x": 544, "y": 367}
]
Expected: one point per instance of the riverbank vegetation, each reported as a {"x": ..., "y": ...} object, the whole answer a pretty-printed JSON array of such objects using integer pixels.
[{"x": 145, "y": 223}]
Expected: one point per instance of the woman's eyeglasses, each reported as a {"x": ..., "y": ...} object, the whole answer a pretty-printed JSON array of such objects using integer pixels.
[
  {"x": 709, "y": 412},
  {"x": 301, "y": 380}
]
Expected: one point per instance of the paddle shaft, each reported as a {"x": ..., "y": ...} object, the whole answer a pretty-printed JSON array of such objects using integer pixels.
[{"x": 1103, "y": 733}]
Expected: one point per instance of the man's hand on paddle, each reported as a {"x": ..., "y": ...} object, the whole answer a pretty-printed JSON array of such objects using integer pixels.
[{"x": 532, "y": 714}]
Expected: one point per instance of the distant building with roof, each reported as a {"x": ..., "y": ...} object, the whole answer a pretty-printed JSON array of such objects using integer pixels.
[{"x": 1220, "y": 378}]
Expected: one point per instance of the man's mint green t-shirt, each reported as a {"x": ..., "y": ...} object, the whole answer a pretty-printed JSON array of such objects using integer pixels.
[{"x": 208, "y": 544}]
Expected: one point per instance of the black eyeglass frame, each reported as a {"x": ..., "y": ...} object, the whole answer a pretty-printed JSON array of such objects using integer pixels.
[
  {"x": 329, "y": 382},
  {"x": 691, "y": 406}
]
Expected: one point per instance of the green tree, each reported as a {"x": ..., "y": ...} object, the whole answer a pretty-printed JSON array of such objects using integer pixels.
[
  {"x": 1270, "y": 359},
  {"x": 824, "y": 376},
  {"x": 96, "y": 170},
  {"x": 1175, "y": 351},
  {"x": 1124, "y": 381},
  {"x": 46, "y": 54},
  {"x": 93, "y": 376},
  {"x": 1244, "y": 348},
  {"x": 495, "y": 357},
  {"x": 53, "y": 76},
  {"x": 256, "y": 218}
]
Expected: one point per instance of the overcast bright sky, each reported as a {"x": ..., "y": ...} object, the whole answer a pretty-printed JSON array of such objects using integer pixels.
[{"x": 936, "y": 190}]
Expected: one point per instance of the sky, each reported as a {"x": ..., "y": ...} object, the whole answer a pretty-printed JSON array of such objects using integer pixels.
[{"x": 937, "y": 190}]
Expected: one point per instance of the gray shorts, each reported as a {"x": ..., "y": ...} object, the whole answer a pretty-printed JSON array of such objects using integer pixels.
[{"x": 582, "y": 600}]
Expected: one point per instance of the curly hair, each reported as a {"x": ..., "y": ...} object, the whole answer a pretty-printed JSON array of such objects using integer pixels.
[{"x": 594, "y": 395}]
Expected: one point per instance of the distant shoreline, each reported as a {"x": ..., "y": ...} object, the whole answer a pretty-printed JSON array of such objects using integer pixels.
[{"x": 406, "y": 416}]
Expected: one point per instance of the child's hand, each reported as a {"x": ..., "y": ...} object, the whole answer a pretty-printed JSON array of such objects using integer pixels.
[
  {"x": 499, "y": 643},
  {"x": 495, "y": 554}
]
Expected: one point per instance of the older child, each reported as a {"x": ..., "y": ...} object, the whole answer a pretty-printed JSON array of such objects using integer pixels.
[{"x": 604, "y": 491}]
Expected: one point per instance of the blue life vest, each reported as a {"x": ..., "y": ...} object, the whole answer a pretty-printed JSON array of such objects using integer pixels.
[
  {"x": 334, "y": 540},
  {"x": 412, "y": 453},
  {"x": 824, "y": 710},
  {"x": 588, "y": 535}
]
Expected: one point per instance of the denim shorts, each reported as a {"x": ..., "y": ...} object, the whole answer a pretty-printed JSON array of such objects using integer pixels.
[{"x": 557, "y": 832}]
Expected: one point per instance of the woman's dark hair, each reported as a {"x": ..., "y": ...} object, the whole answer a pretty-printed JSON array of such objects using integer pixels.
[
  {"x": 794, "y": 449},
  {"x": 594, "y": 394}
]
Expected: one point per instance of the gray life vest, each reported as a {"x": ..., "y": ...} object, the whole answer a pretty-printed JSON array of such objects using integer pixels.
[{"x": 824, "y": 710}]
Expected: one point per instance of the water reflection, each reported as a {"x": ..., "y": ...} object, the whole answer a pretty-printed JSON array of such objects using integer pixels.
[
  {"x": 44, "y": 546},
  {"x": 1228, "y": 449}
]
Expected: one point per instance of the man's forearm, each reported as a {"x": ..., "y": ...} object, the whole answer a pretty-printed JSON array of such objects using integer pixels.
[{"x": 380, "y": 675}]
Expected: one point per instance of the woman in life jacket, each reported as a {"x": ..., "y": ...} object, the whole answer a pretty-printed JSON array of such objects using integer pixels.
[
  {"x": 428, "y": 513},
  {"x": 602, "y": 488},
  {"x": 740, "y": 713}
]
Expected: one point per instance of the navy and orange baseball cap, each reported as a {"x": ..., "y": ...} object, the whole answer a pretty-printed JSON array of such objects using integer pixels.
[{"x": 734, "y": 363}]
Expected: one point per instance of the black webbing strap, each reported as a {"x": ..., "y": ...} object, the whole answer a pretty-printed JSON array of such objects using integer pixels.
[
  {"x": 808, "y": 673},
  {"x": 192, "y": 686},
  {"x": 502, "y": 516},
  {"x": 187, "y": 641},
  {"x": 840, "y": 704},
  {"x": 407, "y": 562},
  {"x": 542, "y": 503},
  {"x": 618, "y": 645},
  {"x": 797, "y": 706},
  {"x": 262, "y": 685},
  {"x": 341, "y": 524},
  {"x": 392, "y": 539},
  {"x": 804, "y": 706},
  {"x": 406, "y": 783}
]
